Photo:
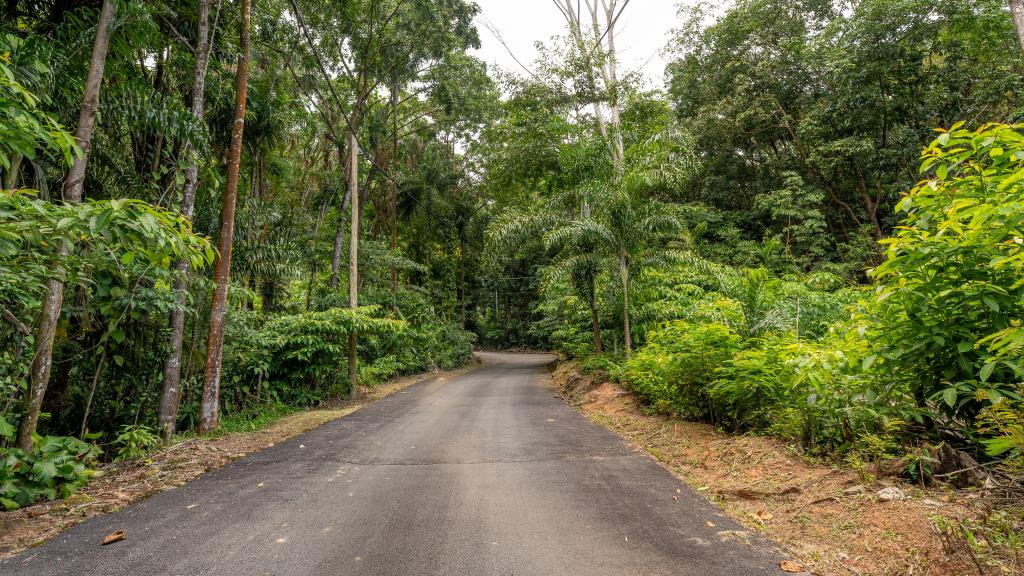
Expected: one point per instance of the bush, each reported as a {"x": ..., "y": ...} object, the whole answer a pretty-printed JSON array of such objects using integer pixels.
[
  {"x": 56, "y": 467},
  {"x": 134, "y": 441},
  {"x": 751, "y": 386},
  {"x": 297, "y": 359},
  {"x": 947, "y": 315},
  {"x": 673, "y": 372}
]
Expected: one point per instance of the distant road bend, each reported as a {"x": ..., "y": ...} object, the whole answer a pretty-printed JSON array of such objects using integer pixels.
[{"x": 481, "y": 474}]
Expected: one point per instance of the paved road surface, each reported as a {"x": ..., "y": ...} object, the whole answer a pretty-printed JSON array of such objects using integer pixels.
[{"x": 483, "y": 474}]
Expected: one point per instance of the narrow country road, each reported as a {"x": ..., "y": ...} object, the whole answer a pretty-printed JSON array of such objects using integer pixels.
[{"x": 484, "y": 473}]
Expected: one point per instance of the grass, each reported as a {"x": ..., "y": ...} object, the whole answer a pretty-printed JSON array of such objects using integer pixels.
[{"x": 253, "y": 418}]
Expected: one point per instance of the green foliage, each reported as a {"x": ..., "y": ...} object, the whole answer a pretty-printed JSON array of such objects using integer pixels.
[
  {"x": 296, "y": 359},
  {"x": 678, "y": 364},
  {"x": 947, "y": 313},
  {"x": 931, "y": 350},
  {"x": 797, "y": 221},
  {"x": 253, "y": 417},
  {"x": 25, "y": 129},
  {"x": 751, "y": 386},
  {"x": 133, "y": 441},
  {"x": 1003, "y": 423},
  {"x": 118, "y": 230},
  {"x": 56, "y": 467},
  {"x": 808, "y": 116}
]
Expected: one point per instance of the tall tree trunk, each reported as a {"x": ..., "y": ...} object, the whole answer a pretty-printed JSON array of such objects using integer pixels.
[
  {"x": 169, "y": 398},
  {"x": 353, "y": 259},
  {"x": 339, "y": 235},
  {"x": 210, "y": 410},
  {"x": 1017, "y": 9},
  {"x": 572, "y": 17},
  {"x": 608, "y": 75},
  {"x": 393, "y": 193},
  {"x": 595, "y": 319},
  {"x": 51, "y": 305},
  {"x": 626, "y": 328}
]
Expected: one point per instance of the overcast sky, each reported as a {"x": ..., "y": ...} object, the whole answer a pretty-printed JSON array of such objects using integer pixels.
[{"x": 642, "y": 33}]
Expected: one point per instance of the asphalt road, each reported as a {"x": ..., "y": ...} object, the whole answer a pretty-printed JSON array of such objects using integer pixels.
[{"x": 483, "y": 474}]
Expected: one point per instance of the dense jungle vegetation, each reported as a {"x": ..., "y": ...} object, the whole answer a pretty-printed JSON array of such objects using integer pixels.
[{"x": 216, "y": 209}]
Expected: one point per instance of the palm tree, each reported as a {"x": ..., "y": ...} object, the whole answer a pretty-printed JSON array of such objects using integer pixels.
[
  {"x": 579, "y": 264},
  {"x": 623, "y": 233}
]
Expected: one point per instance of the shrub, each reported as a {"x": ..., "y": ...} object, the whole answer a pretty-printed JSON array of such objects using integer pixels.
[
  {"x": 299, "y": 358},
  {"x": 947, "y": 315},
  {"x": 134, "y": 441},
  {"x": 672, "y": 373},
  {"x": 751, "y": 386},
  {"x": 56, "y": 467}
]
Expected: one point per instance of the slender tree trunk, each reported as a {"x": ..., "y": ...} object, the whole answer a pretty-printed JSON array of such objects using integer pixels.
[
  {"x": 576, "y": 31},
  {"x": 595, "y": 320},
  {"x": 339, "y": 235},
  {"x": 353, "y": 259},
  {"x": 611, "y": 79},
  {"x": 626, "y": 329},
  {"x": 1017, "y": 9},
  {"x": 11, "y": 176},
  {"x": 19, "y": 346},
  {"x": 210, "y": 410},
  {"x": 171, "y": 394},
  {"x": 51, "y": 306},
  {"x": 393, "y": 193},
  {"x": 92, "y": 391}
]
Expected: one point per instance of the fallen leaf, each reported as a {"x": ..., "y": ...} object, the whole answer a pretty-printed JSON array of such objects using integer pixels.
[
  {"x": 114, "y": 537},
  {"x": 792, "y": 567},
  {"x": 675, "y": 497},
  {"x": 191, "y": 506},
  {"x": 764, "y": 515},
  {"x": 709, "y": 524}
]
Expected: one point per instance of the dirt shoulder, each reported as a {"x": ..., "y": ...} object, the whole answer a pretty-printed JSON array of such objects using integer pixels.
[
  {"x": 833, "y": 519},
  {"x": 126, "y": 482}
]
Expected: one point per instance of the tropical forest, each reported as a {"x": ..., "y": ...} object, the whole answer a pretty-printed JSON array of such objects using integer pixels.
[{"x": 798, "y": 249}]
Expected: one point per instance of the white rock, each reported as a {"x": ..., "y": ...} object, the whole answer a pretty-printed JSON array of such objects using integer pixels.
[{"x": 892, "y": 493}]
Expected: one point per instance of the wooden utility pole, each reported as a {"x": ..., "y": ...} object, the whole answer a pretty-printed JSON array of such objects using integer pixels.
[
  {"x": 209, "y": 415},
  {"x": 39, "y": 375}
]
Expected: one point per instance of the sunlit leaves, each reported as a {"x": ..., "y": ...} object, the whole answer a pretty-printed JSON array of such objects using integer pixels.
[{"x": 953, "y": 269}]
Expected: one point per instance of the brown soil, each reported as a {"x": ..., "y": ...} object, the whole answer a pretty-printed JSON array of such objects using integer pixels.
[
  {"x": 126, "y": 482},
  {"x": 828, "y": 517}
]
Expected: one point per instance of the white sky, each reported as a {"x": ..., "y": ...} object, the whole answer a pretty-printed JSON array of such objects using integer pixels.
[{"x": 641, "y": 33}]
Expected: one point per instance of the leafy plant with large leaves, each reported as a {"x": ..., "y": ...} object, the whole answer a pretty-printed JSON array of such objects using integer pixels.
[
  {"x": 946, "y": 317},
  {"x": 56, "y": 466}
]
